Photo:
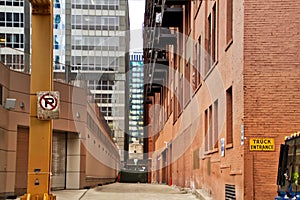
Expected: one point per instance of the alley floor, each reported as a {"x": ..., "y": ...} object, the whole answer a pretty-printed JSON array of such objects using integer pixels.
[{"x": 127, "y": 191}]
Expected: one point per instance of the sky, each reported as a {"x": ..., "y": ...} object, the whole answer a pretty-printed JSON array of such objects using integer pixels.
[
  {"x": 136, "y": 16},
  {"x": 136, "y": 13}
]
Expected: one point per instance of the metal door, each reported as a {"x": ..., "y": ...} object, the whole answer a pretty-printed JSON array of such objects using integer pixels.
[{"x": 58, "y": 178}]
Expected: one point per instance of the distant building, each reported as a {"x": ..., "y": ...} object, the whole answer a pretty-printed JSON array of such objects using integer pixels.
[
  {"x": 136, "y": 90},
  {"x": 15, "y": 34}
]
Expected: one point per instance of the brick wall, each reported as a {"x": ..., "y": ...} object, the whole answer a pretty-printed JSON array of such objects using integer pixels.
[{"x": 272, "y": 86}]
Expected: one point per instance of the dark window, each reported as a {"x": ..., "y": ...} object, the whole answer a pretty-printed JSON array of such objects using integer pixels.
[
  {"x": 1, "y": 95},
  {"x": 9, "y": 17},
  {"x": 206, "y": 129},
  {"x": 213, "y": 34},
  {"x": 229, "y": 18},
  {"x": 2, "y": 17},
  {"x": 196, "y": 159},
  {"x": 16, "y": 3},
  {"x": 229, "y": 120},
  {"x": 211, "y": 43},
  {"x": 186, "y": 83},
  {"x": 16, "y": 17},
  {"x": 216, "y": 113},
  {"x": 208, "y": 59},
  {"x": 210, "y": 131}
]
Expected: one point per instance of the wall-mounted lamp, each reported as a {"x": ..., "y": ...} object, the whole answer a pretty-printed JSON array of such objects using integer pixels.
[
  {"x": 77, "y": 115},
  {"x": 22, "y": 105}
]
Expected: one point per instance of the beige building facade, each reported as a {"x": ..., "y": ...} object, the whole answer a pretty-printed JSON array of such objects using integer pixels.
[{"x": 83, "y": 153}]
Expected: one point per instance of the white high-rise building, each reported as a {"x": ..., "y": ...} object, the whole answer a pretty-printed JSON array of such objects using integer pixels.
[{"x": 91, "y": 43}]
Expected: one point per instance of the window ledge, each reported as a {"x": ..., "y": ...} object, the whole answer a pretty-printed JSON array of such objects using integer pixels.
[
  {"x": 235, "y": 172},
  {"x": 215, "y": 161},
  {"x": 215, "y": 150},
  {"x": 196, "y": 90},
  {"x": 187, "y": 103},
  {"x": 211, "y": 69},
  {"x": 224, "y": 166},
  {"x": 228, "y": 45},
  {"x": 211, "y": 151},
  {"x": 229, "y": 146}
]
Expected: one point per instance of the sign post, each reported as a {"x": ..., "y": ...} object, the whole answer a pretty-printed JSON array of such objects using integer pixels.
[
  {"x": 41, "y": 79},
  {"x": 48, "y": 105}
]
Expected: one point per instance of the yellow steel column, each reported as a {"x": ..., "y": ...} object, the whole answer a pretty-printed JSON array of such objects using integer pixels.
[{"x": 40, "y": 134}]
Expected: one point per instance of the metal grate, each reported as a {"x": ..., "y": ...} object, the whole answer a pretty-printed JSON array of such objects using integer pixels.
[{"x": 230, "y": 192}]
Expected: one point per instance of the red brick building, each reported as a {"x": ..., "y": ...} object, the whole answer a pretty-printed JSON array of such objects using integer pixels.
[{"x": 219, "y": 74}]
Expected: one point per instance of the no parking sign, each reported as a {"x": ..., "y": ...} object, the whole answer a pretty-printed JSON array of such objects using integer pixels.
[{"x": 48, "y": 105}]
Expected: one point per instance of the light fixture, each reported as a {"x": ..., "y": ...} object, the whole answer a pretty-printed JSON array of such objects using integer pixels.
[{"x": 21, "y": 104}]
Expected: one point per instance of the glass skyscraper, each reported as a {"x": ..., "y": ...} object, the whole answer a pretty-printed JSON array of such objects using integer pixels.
[{"x": 136, "y": 89}]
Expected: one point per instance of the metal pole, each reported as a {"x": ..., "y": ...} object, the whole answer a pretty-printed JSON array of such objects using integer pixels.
[{"x": 40, "y": 132}]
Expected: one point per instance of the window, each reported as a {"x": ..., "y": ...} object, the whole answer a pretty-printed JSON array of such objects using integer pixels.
[
  {"x": 213, "y": 34},
  {"x": 229, "y": 120},
  {"x": 13, "y": 61},
  {"x": 88, "y": 22},
  {"x": 229, "y": 18},
  {"x": 1, "y": 94},
  {"x": 211, "y": 127},
  {"x": 208, "y": 64},
  {"x": 210, "y": 130},
  {"x": 96, "y": 4},
  {"x": 216, "y": 115},
  {"x": 197, "y": 64},
  {"x": 197, "y": 4},
  {"x": 2, "y": 19},
  {"x": 212, "y": 41},
  {"x": 186, "y": 83},
  {"x": 196, "y": 159},
  {"x": 180, "y": 95},
  {"x": 206, "y": 129},
  {"x": 188, "y": 18}
]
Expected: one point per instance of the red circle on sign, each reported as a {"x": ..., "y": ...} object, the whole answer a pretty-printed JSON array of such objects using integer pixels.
[{"x": 53, "y": 105}]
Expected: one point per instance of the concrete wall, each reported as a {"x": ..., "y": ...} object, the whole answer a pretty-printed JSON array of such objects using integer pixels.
[{"x": 80, "y": 156}]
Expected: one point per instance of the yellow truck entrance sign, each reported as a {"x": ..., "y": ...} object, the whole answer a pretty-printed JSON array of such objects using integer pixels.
[{"x": 262, "y": 144}]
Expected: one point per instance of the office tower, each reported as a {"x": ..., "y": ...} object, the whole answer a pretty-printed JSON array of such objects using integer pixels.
[
  {"x": 136, "y": 123},
  {"x": 99, "y": 46},
  {"x": 15, "y": 34},
  {"x": 90, "y": 43}
]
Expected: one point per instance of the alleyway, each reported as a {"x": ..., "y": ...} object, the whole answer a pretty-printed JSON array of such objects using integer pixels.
[{"x": 125, "y": 191}]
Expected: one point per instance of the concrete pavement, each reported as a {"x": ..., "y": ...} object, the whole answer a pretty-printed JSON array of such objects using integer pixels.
[
  {"x": 69, "y": 194},
  {"x": 126, "y": 191}
]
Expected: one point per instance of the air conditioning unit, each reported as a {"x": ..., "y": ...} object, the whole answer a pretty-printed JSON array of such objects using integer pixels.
[{"x": 10, "y": 104}]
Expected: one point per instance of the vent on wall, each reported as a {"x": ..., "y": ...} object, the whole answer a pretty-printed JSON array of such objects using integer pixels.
[
  {"x": 10, "y": 104},
  {"x": 230, "y": 192}
]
